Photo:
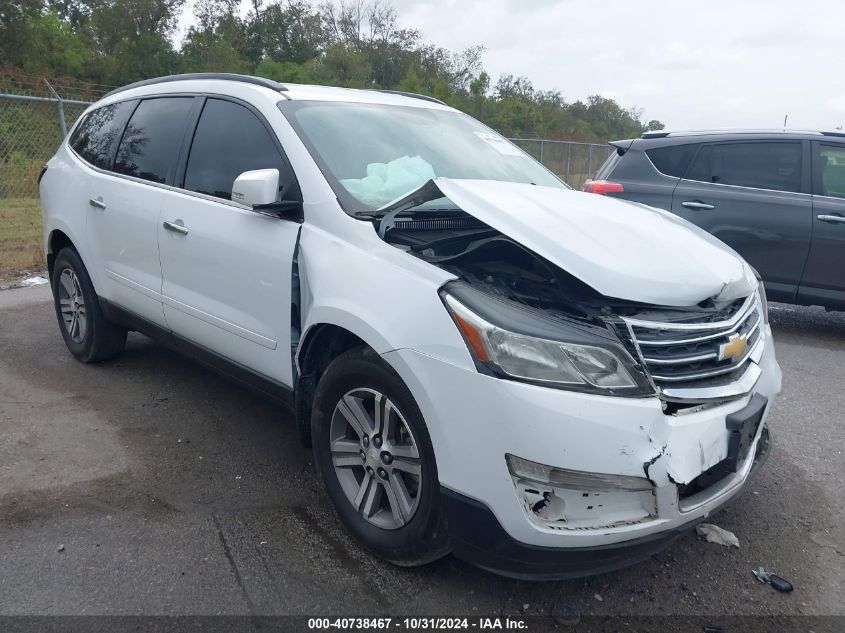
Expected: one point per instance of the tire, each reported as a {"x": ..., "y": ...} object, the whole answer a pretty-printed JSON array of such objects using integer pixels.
[
  {"x": 89, "y": 336},
  {"x": 409, "y": 532}
]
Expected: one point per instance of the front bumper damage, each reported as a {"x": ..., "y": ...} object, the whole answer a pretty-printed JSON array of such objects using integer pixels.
[
  {"x": 478, "y": 538},
  {"x": 518, "y": 527}
]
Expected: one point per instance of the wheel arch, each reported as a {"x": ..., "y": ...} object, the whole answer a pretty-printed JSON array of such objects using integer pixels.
[
  {"x": 321, "y": 343},
  {"x": 56, "y": 241}
]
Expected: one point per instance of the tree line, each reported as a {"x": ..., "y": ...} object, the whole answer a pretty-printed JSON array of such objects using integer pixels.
[{"x": 352, "y": 43}]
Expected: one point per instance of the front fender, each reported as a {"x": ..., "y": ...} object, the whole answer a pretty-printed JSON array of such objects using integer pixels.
[{"x": 383, "y": 296}]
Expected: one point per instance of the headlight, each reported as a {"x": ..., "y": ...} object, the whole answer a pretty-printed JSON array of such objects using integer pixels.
[
  {"x": 524, "y": 344},
  {"x": 764, "y": 302}
]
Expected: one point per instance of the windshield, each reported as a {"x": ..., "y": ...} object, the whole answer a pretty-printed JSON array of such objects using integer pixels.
[{"x": 372, "y": 154}]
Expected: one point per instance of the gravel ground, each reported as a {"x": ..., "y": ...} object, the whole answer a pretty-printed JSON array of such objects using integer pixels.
[{"x": 149, "y": 485}]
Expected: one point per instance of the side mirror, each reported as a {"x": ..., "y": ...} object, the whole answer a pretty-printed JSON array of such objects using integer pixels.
[
  {"x": 259, "y": 189},
  {"x": 256, "y": 188}
]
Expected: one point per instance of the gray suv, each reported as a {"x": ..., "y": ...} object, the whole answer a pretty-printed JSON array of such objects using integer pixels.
[{"x": 777, "y": 198}]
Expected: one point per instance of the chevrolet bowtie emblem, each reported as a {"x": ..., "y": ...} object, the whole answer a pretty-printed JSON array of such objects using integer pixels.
[{"x": 734, "y": 348}]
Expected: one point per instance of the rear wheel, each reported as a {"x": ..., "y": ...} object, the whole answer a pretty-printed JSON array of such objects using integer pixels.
[
  {"x": 89, "y": 336},
  {"x": 374, "y": 456}
]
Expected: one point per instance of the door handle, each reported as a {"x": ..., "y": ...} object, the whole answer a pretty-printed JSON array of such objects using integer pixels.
[
  {"x": 97, "y": 203},
  {"x": 695, "y": 204},
  {"x": 181, "y": 229},
  {"x": 833, "y": 219}
]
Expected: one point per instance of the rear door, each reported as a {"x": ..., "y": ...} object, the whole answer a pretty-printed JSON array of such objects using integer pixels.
[
  {"x": 755, "y": 197},
  {"x": 124, "y": 205},
  {"x": 824, "y": 275},
  {"x": 227, "y": 270}
]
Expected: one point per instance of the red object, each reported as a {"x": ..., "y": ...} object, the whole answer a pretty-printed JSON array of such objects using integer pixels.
[{"x": 602, "y": 187}]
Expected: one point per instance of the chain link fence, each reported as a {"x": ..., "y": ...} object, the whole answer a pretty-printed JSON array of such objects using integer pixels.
[
  {"x": 574, "y": 163},
  {"x": 35, "y": 116}
]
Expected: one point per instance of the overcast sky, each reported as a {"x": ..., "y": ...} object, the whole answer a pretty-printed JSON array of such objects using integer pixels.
[{"x": 720, "y": 63}]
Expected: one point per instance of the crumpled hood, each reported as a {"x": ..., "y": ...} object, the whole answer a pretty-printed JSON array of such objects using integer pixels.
[{"x": 621, "y": 249}]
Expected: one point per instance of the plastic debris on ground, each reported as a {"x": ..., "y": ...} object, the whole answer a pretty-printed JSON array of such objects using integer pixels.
[
  {"x": 33, "y": 281},
  {"x": 767, "y": 577},
  {"x": 715, "y": 534},
  {"x": 566, "y": 614}
]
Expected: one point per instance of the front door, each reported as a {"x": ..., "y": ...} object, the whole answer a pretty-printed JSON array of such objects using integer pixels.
[
  {"x": 755, "y": 197},
  {"x": 227, "y": 269},
  {"x": 824, "y": 275}
]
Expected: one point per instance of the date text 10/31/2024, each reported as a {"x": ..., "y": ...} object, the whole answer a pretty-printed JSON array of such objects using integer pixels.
[{"x": 417, "y": 624}]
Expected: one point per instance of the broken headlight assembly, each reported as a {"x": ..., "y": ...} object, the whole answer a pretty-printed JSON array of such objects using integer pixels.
[{"x": 522, "y": 343}]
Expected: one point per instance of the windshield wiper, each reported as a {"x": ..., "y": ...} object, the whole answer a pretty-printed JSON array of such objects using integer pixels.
[{"x": 387, "y": 214}]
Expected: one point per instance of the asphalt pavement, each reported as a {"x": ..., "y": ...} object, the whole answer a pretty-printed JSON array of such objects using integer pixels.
[{"x": 150, "y": 485}]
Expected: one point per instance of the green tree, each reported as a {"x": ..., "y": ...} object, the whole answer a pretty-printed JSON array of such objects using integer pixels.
[
  {"x": 283, "y": 71},
  {"x": 356, "y": 43},
  {"x": 338, "y": 65},
  {"x": 294, "y": 32},
  {"x": 211, "y": 52}
]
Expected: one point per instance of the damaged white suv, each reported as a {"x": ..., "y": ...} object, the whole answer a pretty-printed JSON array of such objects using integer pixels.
[{"x": 545, "y": 382}]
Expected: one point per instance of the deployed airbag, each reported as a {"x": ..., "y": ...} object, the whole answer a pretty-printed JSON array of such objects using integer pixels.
[{"x": 386, "y": 181}]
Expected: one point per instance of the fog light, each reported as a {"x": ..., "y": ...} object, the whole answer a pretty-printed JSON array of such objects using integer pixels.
[
  {"x": 574, "y": 479},
  {"x": 571, "y": 499}
]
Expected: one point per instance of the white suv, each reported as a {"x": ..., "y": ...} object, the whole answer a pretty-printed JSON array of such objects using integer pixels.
[{"x": 545, "y": 382}]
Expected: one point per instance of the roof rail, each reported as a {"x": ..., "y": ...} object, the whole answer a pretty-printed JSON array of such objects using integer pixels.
[
  {"x": 247, "y": 79},
  {"x": 839, "y": 134},
  {"x": 677, "y": 133},
  {"x": 413, "y": 95}
]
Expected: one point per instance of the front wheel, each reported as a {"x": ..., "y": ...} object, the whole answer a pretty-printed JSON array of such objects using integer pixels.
[
  {"x": 375, "y": 458},
  {"x": 88, "y": 334}
]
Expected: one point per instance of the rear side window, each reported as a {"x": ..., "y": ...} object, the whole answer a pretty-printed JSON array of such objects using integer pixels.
[
  {"x": 672, "y": 160},
  {"x": 608, "y": 165},
  {"x": 229, "y": 140},
  {"x": 775, "y": 166},
  {"x": 832, "y": 168},
  {"x": 150, "y": 143},
  {"x": 96, "y": 137}
]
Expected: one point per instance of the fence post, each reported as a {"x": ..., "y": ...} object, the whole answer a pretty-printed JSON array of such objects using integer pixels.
[
  {"x": 61, "y": 110},
  {"x": 541, "y": 152},
  {"x": 568, "y": 160},
  {"x": 590, "y": 163},
  {"x": 62, "y": 125}
]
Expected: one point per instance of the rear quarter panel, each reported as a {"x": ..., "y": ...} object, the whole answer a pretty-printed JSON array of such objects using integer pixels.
[
  {"x": 63, "y": 191},
  {"x": 641, "y": 180}
]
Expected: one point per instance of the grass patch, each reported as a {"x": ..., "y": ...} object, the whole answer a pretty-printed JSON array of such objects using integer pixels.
[{"x": 20, "y": 236}]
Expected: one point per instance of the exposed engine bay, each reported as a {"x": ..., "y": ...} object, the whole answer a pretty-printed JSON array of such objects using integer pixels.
[{"x": 491, "y": 261}]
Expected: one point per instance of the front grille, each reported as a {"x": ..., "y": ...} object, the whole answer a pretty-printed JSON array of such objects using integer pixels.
[{"x": 686, "y": 352}]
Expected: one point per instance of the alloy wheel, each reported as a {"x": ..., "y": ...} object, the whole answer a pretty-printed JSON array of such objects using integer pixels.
[
  {"x": 375, "y": 458},
  {"x": 72, "y": 305}
]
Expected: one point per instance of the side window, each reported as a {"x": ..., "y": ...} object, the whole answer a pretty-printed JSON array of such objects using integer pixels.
[
  {"x": 775, "y": 165},
  {"x": 608, "y": 165},
  {"x": 229, "y": 140},
  {"x": 832, "y": 170},
  {"x": 150, "y": 143},
  {"x": 672, "y": 160},
  {"x": 96, "y": 136}
]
